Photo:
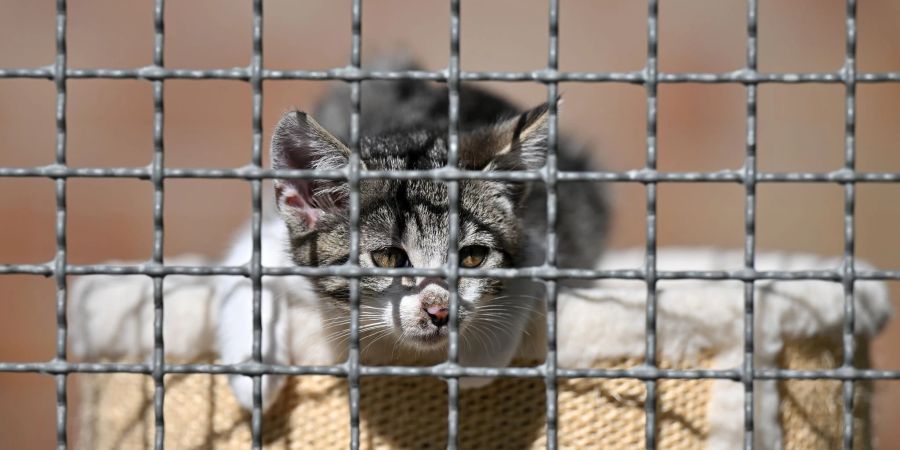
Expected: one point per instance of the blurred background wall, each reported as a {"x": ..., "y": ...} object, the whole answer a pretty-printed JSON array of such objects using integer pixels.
[{"x": 208, "y": 123}]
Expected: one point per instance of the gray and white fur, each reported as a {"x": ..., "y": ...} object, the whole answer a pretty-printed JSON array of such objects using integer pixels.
[{"x": 405, "y": 223}]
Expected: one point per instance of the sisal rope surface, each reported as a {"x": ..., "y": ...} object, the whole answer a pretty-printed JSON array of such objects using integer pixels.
[
  {"x": 812, "y": 410},
  {"x": 312, "y": 412}
]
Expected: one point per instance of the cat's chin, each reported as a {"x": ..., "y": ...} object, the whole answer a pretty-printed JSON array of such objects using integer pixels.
[{"x": 426, "y": 340}]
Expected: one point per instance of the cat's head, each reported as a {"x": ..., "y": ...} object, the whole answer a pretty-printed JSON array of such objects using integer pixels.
[{"x": 404, "y": 223}]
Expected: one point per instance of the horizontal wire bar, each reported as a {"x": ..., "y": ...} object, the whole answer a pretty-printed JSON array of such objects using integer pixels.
[
  {"x": 744, "y": 76},
  {"x": 547, "y": 273},
  {"x": 446, "y": 370},
  {"x": 443, "y": 174}
]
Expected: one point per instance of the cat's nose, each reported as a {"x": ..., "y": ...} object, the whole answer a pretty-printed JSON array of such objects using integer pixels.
[{"x": 438, "y": 315}]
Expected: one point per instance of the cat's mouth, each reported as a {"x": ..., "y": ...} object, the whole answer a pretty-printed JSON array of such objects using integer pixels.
[
  {"x": 434, "y": 337},
  {"x": 430, "y": 337}
]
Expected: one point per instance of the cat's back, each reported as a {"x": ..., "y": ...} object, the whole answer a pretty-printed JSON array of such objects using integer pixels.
[{"x": 403, "y": 105}]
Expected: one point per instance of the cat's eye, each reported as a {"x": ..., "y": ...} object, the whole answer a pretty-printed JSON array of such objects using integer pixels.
[
  {"x": 472, "y": 256},
  {"x": 390, "y": 257}
]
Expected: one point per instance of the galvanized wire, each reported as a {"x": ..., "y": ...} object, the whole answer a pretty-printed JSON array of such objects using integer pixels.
[
  {"x": 157, "y": 177},
  {"x": 256, "y": 64},
  {"x": 541, "y": 76},
  {"x": 550, "y": 177},
  {"x": 848, "y": 278},
  {"x": 443, "y": 370},
  {"x": 353, "y": 169},
  {"x": 60, "y": 260},
  {"x": 542, "y": 273},
  {"x": 453, "y": 69},
  {"x": 750, "y": 229},
  {"x": 650, "y": 84},
  {"x": 643, "y": 175},
  {"x": 650, "y": 77}
]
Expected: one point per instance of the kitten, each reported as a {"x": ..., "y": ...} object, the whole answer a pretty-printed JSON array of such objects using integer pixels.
[{"x": 405, "y": 224}]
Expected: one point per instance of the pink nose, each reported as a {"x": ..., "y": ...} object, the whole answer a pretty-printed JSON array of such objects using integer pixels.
[{"x": 438, "y": 315}]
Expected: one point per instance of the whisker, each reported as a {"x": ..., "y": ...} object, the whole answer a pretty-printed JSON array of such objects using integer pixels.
[{"x": 381, "y": 335}]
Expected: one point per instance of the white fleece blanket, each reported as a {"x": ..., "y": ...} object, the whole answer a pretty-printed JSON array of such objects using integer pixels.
[
  {"x": 112, "y": 317},
  {"x": 697, "y": 315}
]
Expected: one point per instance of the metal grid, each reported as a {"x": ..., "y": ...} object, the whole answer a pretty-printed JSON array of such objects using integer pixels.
[{"x": 254, "y": 173}]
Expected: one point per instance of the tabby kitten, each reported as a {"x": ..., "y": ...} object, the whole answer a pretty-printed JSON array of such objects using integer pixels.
[{"x": 404, "y": 223}]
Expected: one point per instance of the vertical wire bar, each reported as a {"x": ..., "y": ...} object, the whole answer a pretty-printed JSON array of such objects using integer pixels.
[
  {"x": 453, "y": 232},
  {"x": 256, "y": 61},
  {"x": 650, "y": 258},
  {"x": 849, "y": 273},
  {"x": 353, "y": 184},
  {"x": 551, "y": 256},
  {"x": 157, "y": 177},
  {"x": 750, "y": 227},
  {"x": 59, "y": 270}
]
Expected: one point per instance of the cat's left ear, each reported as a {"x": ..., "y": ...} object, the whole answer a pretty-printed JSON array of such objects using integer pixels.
[{"x": 518, "y": 143}]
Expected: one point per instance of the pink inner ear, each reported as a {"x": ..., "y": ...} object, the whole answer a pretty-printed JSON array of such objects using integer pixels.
[{"x": 296, "y": 199}]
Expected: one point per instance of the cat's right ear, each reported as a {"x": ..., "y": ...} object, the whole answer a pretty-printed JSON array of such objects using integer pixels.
[{"x": 300, "y": 143}]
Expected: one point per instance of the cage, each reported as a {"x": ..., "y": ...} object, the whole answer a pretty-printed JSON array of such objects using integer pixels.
[{"x": 650, "y": 374}]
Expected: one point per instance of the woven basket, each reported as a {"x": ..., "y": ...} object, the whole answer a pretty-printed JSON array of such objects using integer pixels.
[
  {"x": 312, "y": 412},
  {"x": 811, "y": 411}
]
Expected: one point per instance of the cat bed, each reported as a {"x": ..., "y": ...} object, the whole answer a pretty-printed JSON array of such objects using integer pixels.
[{"x": 700, "y": 326}]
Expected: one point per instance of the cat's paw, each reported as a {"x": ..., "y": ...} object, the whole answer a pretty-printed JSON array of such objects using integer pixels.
[
  {"x": 242, "y": 387},
  {"x": 474, "y": 382}
]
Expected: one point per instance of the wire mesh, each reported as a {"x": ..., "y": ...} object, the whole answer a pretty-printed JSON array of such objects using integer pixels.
[
  {"x": 60, "y": 260},
  {"x": 650, "y": 69},
  {"x": 848, "y": 265},
  {"x": 453, "y": 224},
  {"x": 748, "y": 176},
  {"x": 157, "y": 177},
  {"x": 256, "y": 63},
  {"x": 550, "y": 175},
  {"x": 353, "y": 369},
  {"x": 749, "y": 228}
]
